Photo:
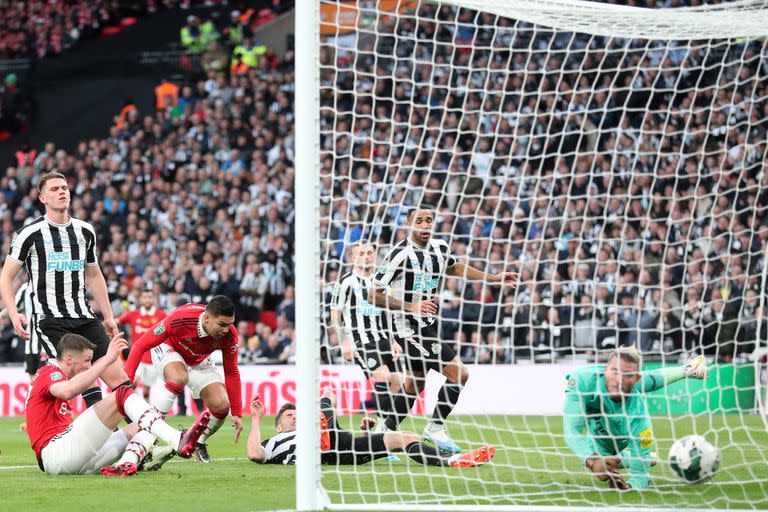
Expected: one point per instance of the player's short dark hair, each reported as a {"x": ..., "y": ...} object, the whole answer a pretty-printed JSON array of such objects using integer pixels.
[
  {"x": 73, "y": 343},
  {"x": 220, "y": 305},
  {"x": 287, "y": 407},
  {"x": 415, "y": 209},
  {"x": 45, "y": 178}
]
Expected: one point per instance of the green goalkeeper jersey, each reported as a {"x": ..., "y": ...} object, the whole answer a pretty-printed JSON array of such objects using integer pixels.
[{"x": 612, "y": 427}]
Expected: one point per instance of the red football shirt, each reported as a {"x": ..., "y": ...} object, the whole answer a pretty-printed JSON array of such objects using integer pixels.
[
  {"x": 47, "y": 415},
  {"x": 183, "y": 331},
  {"x": 142, "y": 320}
]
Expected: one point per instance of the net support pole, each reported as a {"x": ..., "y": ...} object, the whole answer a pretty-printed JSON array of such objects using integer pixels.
[{"x": 307, "y": 246}]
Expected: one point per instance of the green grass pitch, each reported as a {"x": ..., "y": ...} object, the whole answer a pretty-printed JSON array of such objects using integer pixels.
[{"x": 529, "y": 469}]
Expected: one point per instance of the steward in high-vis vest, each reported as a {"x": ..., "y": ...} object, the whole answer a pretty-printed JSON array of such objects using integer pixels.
[
  {"x": 249, "y": 52},
  {"x": 196, "y": 37}
]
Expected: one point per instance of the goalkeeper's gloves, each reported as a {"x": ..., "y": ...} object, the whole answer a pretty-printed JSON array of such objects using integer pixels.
[{"x": 696, "y": 368}]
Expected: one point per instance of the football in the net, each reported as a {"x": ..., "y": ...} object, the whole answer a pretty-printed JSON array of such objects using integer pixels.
[{"x": 694, "y": 459}]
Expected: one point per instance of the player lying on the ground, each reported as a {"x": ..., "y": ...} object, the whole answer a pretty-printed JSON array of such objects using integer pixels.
[
  {"x": 362, "y": 332},
  {"x": 181, "y": 346},
  {"x": 610, "y": 403},
  {"x": 83, "y": 446},
  {"x": 341, "y": 447}
]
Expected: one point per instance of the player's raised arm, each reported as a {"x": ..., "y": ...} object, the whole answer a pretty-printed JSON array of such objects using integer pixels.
[
  {"x": 254, "y": 449},
  {"x": 68, "y": 389},
  {"x": 472, "y": 274},
  {"x": 150, "y": 339},
  {"x": 653, "y": 380}
]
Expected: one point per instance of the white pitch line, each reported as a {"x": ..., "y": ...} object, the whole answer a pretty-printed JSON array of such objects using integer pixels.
[{"x": 225, "y": 459}]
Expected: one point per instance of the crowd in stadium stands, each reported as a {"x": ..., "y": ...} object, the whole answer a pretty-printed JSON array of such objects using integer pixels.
[
  {"x": 40, "y": 28},
  {"x": 645, "y": 225},
  {"x": 192, "y": 200},
  {"x": 196, "y": 199}
]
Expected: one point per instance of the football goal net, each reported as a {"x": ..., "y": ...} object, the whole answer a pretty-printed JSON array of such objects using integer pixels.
[{"x": 614, "y": 156}]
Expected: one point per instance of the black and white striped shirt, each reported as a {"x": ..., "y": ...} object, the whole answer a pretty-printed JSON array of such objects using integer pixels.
[
  {"x": 362, "y": 320},
  {"x": 278, "y": 276},
  {"x": 55, "y": 256},
  {"x": 413, "y": 273},
  {"x": 280, "y": 449}
]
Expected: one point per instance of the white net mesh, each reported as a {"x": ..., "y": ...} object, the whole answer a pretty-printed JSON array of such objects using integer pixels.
[{"x": 613, "y": 156}]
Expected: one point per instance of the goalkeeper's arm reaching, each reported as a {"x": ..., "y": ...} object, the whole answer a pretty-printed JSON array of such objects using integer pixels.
[{"x": 652, "y": 380}]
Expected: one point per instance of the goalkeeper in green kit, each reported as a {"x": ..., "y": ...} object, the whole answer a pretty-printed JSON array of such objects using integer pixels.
[{"x": 609, "y": 402}]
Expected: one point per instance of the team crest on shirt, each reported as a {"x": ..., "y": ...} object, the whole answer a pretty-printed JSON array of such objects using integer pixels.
[
  {"x": 56, "y": 376},
  {"x": 160, "y": 329}
]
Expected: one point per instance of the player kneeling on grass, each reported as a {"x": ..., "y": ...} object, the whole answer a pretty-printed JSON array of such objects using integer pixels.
[
  {"x": 82, "y": 446},
  {"x": 610, "y": 403},
  {"x": 340, "y": 447}
]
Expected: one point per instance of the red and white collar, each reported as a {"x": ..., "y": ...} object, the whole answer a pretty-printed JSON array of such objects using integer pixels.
[
  {"x": 200, "y": 330},
  {"x": 147, "y": 312}
]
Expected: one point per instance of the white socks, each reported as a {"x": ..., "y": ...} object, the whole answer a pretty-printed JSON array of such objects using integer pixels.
[{"x": 151, "y": 420}]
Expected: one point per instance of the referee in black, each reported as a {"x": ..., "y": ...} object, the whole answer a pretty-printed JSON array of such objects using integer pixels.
[{"x": 59, "y": 254}]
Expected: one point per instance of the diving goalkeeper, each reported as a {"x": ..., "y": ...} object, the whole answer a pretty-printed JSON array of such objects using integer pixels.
[{"x": 610, "y": 402}]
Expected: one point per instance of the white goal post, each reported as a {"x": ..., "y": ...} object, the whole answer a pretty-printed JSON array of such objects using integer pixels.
[{"x": 670, "y": 91}]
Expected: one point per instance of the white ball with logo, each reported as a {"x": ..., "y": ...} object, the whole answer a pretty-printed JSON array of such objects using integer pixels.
[{"x": 694, "y": 459}]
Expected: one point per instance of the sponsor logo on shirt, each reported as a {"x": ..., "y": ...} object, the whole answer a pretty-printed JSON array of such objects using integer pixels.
[
  {"x": 425, "y": 283},
  {"x": 646, "y": 438},
  {"x": 365, "y": 308},
  {"x": 160, "y": 329},
  {"x": 62, "y": 262},
  {"x": 56, "y": 376}
]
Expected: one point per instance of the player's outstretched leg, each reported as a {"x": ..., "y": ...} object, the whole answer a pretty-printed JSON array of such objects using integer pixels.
[
  {"x": 141, "y": 445},
  {"x": 429, "y": 455},
  {"x": 156, "y": 457},
  {"x": 126, "y": 403}
]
